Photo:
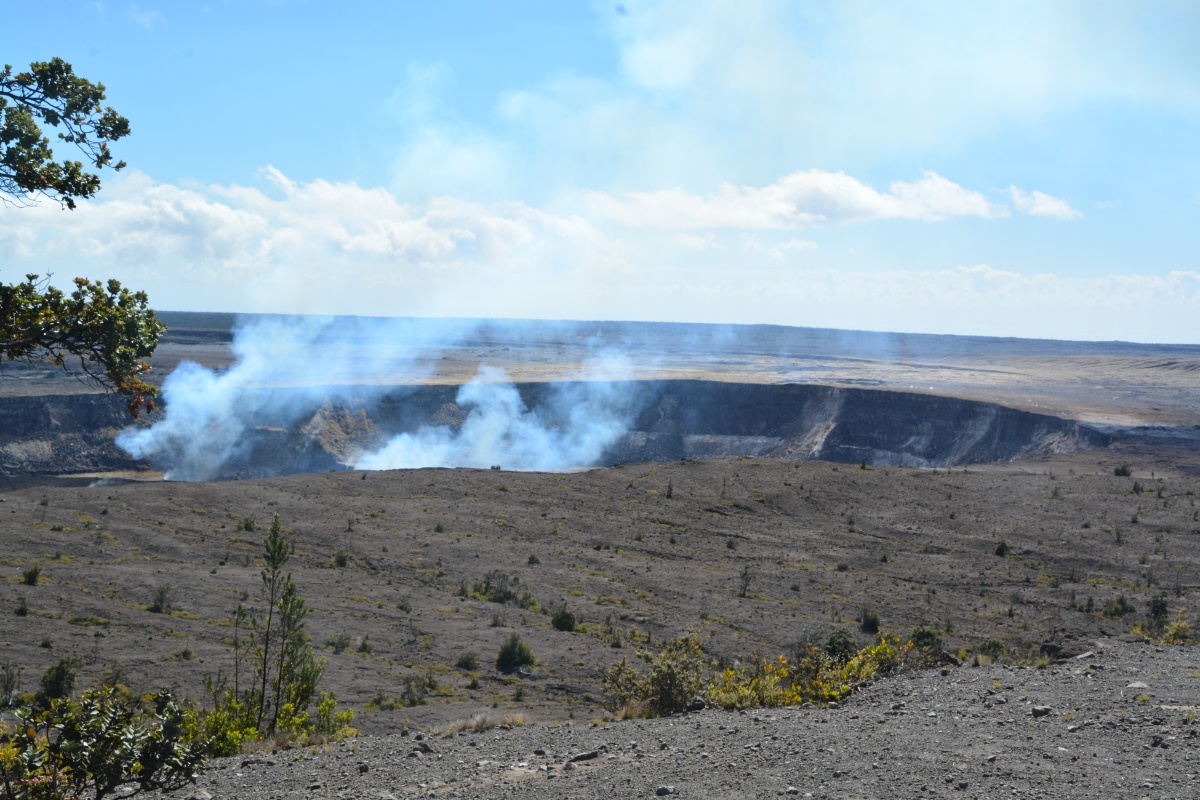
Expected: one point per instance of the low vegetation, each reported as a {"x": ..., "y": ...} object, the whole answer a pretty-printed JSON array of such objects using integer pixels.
[{"x": 680, "y": 674}]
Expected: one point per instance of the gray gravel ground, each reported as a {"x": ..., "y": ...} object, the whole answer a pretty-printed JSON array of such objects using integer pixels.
[{"x": 1114, "y": 723}]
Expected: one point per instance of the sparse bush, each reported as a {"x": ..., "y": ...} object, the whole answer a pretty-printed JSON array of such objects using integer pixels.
[
  {"x": 564, "y": 619},
  {"x": 745, "y": 578},
  {"x": 533, "y": 560},
  {"x": 365, "y": 647},
  {"x": 868, "y": 620},
  {"x": 340, "y": 642},
  {"x": 991, "y": 648},
  {"x": 1123, "y": 471},
  {"x": 1118, "y": 607},
  {"x": 1179, "y": 631},
  {"x": 164, "y": 600},
  {"x": 30, "y": 576},
  {"x": 468, "y": 661},
  {"x": 341, "y": 557},
  {"x": 10, "y": 683},
  {"x": 22, "y": 609},
  {"x": 1002, "y": 549},
  {"x": 1159, "y": 610},
  {"x": 514, "y": 653},
  {"x": 677, "y": 675},
  {"x": 927, "y": 639},
  {"x": 439, "y": 528},
  {"x": 842, "y": 566},
  {"x": 248, "y": 523}
]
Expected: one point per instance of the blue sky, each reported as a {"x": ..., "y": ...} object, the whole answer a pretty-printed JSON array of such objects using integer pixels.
[{"x": 1005, "y": 168}]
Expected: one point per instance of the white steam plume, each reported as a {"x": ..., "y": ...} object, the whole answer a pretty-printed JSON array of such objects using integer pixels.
[
  {"x": 286, "y": 368},
  {"x": 573, "y": 427}
]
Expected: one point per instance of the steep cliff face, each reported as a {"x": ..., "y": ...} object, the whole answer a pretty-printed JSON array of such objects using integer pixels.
[
  {"x": 675, "y": 419},
  {"x": 701, "y": 418},
  {"x": 57, "y": 434}
]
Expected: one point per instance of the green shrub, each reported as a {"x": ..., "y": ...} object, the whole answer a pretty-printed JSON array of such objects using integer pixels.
[
  {"x": 164, "y": 600},
  {"x": 677, "y": 674},
  {"x": 869, "y": 620},
  {"x": 1159, "y": 610},
  {"x": 1123, "y": 471},
  {"x": 927, "y": 639},
  {"x": 514, "y": 653},
  {"x": 101, "y": 746},
  {"x": 1118, "y": 607},
  {"x": 468, "y": 661},
  {"x": 341, "y": 557},
  {"x": 1002, "y": 549},
  {"x": 30, "y": 576},
  {"x": 57, "y": 682},
  {"x": 564, "y": 619},
  {"x": 991, "y": 648},
  {"x": 340, "y": 642},
  {"x": 840, "y": 645}
]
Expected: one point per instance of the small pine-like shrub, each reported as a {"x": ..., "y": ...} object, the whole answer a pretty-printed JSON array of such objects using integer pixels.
[
  {"x": 30, "y": 576},
  {"x": 341, "y": 557},
  {"x": 869, "y": 620},
  {"x": 1002, "y": 549}
]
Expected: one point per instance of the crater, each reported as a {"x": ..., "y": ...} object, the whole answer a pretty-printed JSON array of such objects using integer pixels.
[{"x": 663, "y": 420}]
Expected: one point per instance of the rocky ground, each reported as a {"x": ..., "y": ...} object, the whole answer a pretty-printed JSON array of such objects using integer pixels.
[{"x": 1116, "y": 721}]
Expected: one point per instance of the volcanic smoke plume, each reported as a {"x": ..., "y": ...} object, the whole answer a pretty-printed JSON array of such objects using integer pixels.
[{"x": 286, "y": 368}]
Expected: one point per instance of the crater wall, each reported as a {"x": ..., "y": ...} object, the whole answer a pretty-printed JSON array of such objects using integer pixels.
[{"x": 675, "y": 419}]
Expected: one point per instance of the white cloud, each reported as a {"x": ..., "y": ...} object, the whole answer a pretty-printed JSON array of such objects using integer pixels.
[
  {"x": 801, "y": 199},
  {"x": 1040, "y": 204},
  {"x": 288, "y": 246},
  {"x": 304, "y": 247}
]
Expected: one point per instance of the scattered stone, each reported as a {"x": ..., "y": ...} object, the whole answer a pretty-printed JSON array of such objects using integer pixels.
[
  {"x": 315, "y": 785},
  {"x": 588, "y": 756},
  {"x": 695, "y": 704},
  {"x": 1137, "y": 685},
  {"x": 200, "y": 794},
  {"x": 960, "y": 785},
  {"x": 1041, "y": 711},
  {"x": 663, "y": 791}
]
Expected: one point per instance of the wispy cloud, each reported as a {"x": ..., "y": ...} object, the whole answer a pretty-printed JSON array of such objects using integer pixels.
[
  {"x": 147, "y": 19},
  {"x": 802, "y": 199},
  {"x": 1040, "y": 204}
]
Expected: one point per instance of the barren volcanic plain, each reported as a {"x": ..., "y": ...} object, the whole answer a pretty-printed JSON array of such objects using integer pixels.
[{"x": 756, "y": 552}]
